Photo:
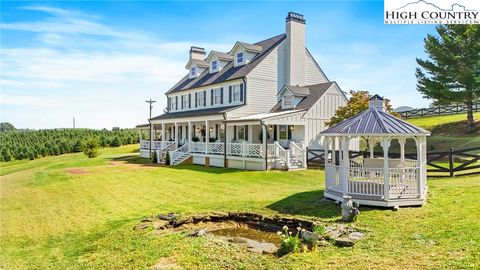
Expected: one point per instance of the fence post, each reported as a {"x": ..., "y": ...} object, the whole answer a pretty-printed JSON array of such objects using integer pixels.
[{"x": 450, "y": 162}]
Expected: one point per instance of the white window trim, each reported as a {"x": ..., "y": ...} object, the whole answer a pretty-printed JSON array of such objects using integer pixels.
[
  {"x": 236, "y": 92},
  {"x": 217, "y": 93},
  {"x": 243, "y": 57},
  {"x": 216, "y": 65},
  {"x": 241, "y": 130},
  {"x": 200, "y": 99}
]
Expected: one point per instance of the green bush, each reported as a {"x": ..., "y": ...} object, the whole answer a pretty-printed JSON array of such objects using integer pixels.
[
  {"x": 167, "y": 158},
  {"x": 91, "y": 147},
  {"x": 290, "y": 243}
]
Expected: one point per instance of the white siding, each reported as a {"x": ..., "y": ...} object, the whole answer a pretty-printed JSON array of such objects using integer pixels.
[
  {"x": 313, "y": 74},
  {"x": 320, "y": 113},
  {"x": 262, "y": 87}
]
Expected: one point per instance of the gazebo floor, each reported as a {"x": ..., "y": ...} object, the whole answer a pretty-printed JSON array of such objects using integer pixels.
[{"x": 373, "y": 200}]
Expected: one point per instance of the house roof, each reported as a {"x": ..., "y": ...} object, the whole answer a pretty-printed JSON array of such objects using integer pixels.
[
  {"x": 197, "y": 62},
  {"x": 316, "y": 91},
  {"x": 374, "y": 122},
  {"x": 142, "y": 126},
  {"x": 221, "y": 55},
  {"x": 193, "y": 113},
  {"x": 248, "y": 47},
  {"x": 298, "y": 90},
  {"x": 229, "y": 72},
  {"x": 261, "y": 116}
]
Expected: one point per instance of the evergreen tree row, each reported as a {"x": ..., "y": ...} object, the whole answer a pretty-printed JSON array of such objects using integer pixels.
[{"x": 32, "y": 144}]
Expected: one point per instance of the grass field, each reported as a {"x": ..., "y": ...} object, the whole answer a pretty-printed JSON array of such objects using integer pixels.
[
  {"x": 432, "y": 121},
  {"x": 68, "y": 212}
]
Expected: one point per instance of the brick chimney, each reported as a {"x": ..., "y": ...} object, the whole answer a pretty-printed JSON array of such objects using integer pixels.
[
  {"x": 197, "y": 53},
  {"x": 295, "y": 29}
]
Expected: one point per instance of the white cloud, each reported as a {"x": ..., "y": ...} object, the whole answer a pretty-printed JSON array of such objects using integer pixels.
[{"x": 102, "y": 81}]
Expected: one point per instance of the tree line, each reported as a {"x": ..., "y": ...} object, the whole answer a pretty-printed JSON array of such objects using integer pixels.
[{"x": 32, "y": 144}]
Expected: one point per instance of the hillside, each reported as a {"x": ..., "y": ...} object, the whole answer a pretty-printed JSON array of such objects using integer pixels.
[{"x": 448, "y": 131}]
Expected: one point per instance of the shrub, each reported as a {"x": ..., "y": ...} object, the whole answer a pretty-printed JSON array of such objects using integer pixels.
[
  {"x": 90, "y": 148},
  {"x": 167, "y": 158},
  {"x": 195, "y": 139},
  {"x": 154, "y": 157},
  {"x": 290, "y": 243},
  {"x": 319, "y": 230}
]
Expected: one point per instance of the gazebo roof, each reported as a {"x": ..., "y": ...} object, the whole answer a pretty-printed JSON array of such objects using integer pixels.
[{"x": 374, "y": 121}]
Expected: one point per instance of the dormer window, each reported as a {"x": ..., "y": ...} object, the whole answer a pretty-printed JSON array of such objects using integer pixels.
[
  {"x": 193, "y": 71},
  {"x": 240, "y": 57},
  {"x": 287, "y": 101},
  {"x": 214, "y": 65}
]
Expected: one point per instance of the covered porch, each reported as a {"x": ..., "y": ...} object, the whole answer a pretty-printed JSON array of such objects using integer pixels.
[{"x": 213, "y": 141}]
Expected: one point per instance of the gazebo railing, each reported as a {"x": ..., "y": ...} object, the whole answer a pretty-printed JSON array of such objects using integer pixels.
[{"x": 402, "y": 182}]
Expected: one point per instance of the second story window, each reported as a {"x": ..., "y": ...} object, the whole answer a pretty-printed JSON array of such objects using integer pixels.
[
  {"x": 192, "y": 72},
  {"x": 200, "y": 99},
  {"x": 174, "y": 103},
  {"x": 186, "y": 101},
  {"x": 218, "y": 96},
  {"x": 214, "y": 65},
  {"x": 236, "y": 93},
  {"x": 240, "y": 58}
]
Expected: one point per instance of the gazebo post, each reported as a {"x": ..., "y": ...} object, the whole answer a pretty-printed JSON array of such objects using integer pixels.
[
  {"x": 345, "y": 164},
  {"x": 421, "y": 149},
  {"x": 401, "y": 141},
  {"x": 326, "y": 146},
  {"x": 386, "y": 189},
  {"x": 371, "y": 144}
]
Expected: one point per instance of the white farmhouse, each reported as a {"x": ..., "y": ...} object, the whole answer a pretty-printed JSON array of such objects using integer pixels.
[{"x": 259, "y": 106}]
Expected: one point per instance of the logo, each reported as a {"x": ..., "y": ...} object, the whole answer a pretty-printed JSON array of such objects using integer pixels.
[{"x": 432, "y": 12}]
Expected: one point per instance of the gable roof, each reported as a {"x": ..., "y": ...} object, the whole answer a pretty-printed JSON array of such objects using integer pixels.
[
  {"x": 247, "y": 47},
  {"x": 298, "y": 90},
  {"x": 374, "y": 122},
  {"x": 220, "y": 55},
  {"x": 229, "y": 72},
  {"x": 197, "y": 62},
  {"x": 316, "y": 92}
]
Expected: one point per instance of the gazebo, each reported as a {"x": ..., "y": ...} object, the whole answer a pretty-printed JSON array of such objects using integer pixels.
[{"x": 372, "y": 180}]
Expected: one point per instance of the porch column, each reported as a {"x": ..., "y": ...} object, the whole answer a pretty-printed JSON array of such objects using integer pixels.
[
  {"x": 140, "y": 136},
  {"x": 207, "y": 136},
  {"x": 176, "y": 135},
  {"x": 344, "y": 164},
  {"x": 264, "y": 145},
  {"x": 386, "y": 189},
  {"x": 402, "y": 141},
  {"x": 163, "y": 135},
  {"x": 189, "y": 135}
]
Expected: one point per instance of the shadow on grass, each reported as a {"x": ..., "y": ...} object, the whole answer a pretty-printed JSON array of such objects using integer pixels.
[
  {"x": 312, "y": 203},
  {"x": 309, "y": 203}
]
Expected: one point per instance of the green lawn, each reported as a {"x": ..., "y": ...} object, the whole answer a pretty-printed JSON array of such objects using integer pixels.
[
  {"x": 432, "y": 121},
  {"x": 56, "y": 217}
]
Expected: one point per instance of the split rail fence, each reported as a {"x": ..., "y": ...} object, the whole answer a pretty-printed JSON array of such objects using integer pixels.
[{"x": 440, "y": 164}]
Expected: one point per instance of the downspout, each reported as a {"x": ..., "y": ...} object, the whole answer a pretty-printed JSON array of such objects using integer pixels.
[{"x": 266, "y": 143}]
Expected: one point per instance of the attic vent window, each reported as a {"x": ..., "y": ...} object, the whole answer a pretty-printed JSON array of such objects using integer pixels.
[
  {"x": 214, "y": 65},
  {"x": 240, "y": 57},
  {"x": 192, "y": 71},
  {"x": 287, "y": 101}
]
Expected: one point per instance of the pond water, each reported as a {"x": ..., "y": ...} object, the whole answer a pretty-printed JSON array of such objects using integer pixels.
[{"x": 249, "y": 233}]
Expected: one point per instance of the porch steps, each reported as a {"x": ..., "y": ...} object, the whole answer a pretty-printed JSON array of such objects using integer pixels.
[{"x": 180, "y": 158}]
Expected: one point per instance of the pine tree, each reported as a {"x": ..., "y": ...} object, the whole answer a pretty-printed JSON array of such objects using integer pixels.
[{"x": 452, "y": 72}]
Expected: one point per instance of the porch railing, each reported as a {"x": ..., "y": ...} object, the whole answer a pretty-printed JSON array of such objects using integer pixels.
[
  {"x": 157, "y": 145},
  {"x": 197, "y": 147},
  {"x": 215, "y": 148}
]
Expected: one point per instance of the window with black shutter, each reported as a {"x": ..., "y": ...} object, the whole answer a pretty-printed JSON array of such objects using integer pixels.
[
  {"x": 230, "y": 94},
  {"x": 189, "y": 101},
  {"x": 182, "y": 102},
  {"x": 169, "y": 101},
  {"x": 196, "y": 102},
  {"x": 211, "y": 97},
  {"x": 176, "y": 103},
  {"x": 221, "y": 95},
  {"x": 204, "y": 98},
  {"x": 290, "y": 128},
  {"x": 241, "y": 92},
  {"x": 246, "y": 133},
  {"x": 234, "y": 133}
]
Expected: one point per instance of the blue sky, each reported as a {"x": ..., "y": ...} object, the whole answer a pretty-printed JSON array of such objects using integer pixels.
[{"x": 100, "y": 61}]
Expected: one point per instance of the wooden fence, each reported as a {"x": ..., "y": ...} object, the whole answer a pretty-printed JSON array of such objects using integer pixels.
[
  {"x": 441, "y": 164},
  {"x": 441, "y": 110}
]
